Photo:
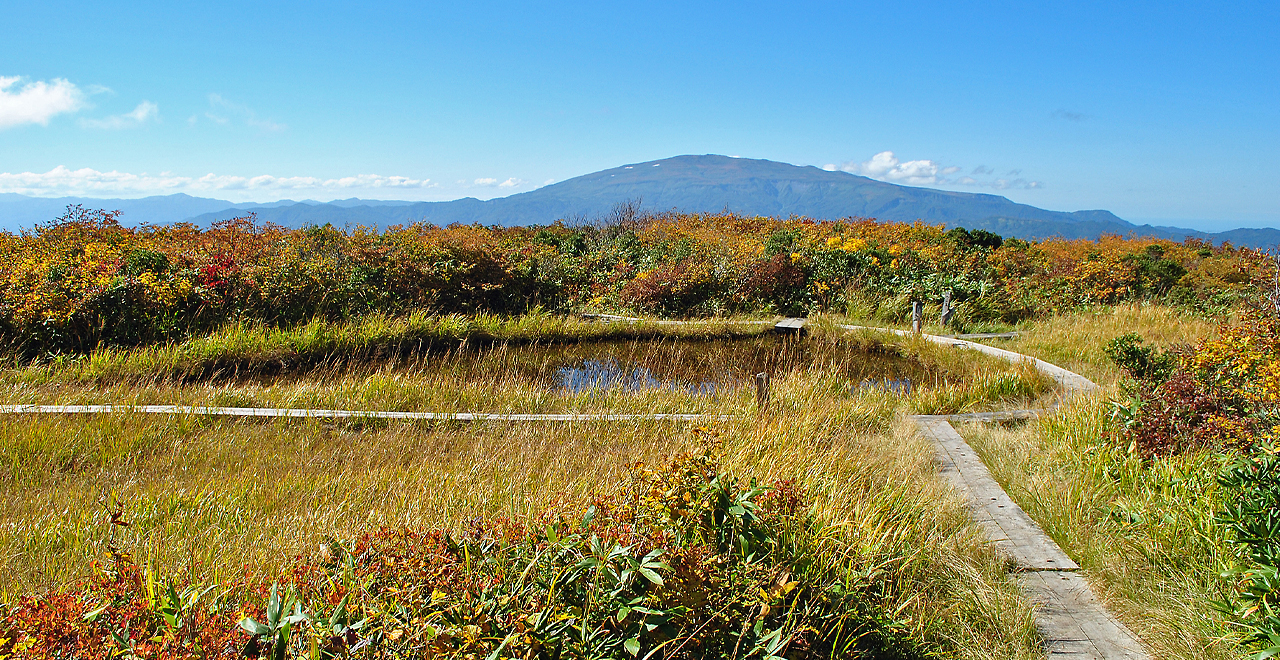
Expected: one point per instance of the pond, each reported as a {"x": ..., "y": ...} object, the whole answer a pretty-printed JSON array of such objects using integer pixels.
[{"x": 695, "y": 367}]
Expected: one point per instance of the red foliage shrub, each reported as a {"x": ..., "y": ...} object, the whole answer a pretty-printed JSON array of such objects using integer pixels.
[
  {"x": 776, "y": 282},
  {"x": 1180, "y": 415},
  {"x": 673, "y": 289}
]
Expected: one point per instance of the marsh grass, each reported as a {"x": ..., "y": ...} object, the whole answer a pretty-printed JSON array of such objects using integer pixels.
[
  {"x": 1076, "y": 340},
  {"x": 245, "y": 349},
  {"x": 209, "y": 498},
  {"x": 522, "y": 378},
  {"x": 1142, "y": 532}
]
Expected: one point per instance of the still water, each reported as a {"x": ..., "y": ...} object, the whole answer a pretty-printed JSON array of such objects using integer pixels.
[
  {"x": 596, "y": 375},
  {"x": 701, "y": 367}
]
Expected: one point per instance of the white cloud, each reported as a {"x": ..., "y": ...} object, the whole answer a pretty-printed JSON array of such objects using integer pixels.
[
  {"x": 1022, "y": 184},
  {"x": 885, "y": 166},
  {"x": 36, "y": 102},
  {"x": 144, "y": 112},
  {"x": 490, "y": 182},
  {"x": 61, "y": 181}
]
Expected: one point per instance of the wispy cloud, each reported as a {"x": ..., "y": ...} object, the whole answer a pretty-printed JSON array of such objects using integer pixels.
[
  {"x": 62, "y": 181},
  {"x": 1069, "y": 115},
  {"x": 36, "y": 102},
  {"x": 146, "y": 111},
  {"x": 490, "y": 182},
  {"x": 223, "y": 111},
  {"x": 885, "y": 166}
]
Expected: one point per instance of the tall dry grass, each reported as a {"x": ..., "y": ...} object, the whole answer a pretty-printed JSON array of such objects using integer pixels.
[
  {"x": 1076, "y": 340},
  {"x": 209, "y": 497}
]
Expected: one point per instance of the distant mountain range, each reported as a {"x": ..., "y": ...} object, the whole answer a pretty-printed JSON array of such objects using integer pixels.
[{"x": 684, "y": 183}]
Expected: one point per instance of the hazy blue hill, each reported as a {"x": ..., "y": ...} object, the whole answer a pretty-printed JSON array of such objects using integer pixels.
[
  {"x": 20, "y": 211},
  {"x": 684, "y": 183}
]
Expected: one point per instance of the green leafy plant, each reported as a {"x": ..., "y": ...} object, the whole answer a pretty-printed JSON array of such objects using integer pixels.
[
  {"x": 1252, "y": 520},
  {"x": 270, "y": 639}
]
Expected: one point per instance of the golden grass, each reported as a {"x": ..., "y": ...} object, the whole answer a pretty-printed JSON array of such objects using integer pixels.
[
  {"x": 1076, "y": 340},
  {"x": 206, "y": 496},
  {"x": 239, "y": 349}
]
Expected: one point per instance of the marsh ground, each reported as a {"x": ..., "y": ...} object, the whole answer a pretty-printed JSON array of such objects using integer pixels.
[
  {"x": 212, "y": 497},
  {"x": 208, "y": 497}
]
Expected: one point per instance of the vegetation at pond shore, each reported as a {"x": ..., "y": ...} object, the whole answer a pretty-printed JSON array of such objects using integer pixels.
[
  {"x": 245, "y": 349},
  {"x": 85, "y": 281}
]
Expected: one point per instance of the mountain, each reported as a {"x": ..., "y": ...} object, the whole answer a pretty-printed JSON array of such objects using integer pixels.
[{"x": 685, "y": 183}]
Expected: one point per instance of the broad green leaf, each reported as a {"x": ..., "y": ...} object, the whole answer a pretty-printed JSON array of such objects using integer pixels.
[{"x": 650, "y": 575}]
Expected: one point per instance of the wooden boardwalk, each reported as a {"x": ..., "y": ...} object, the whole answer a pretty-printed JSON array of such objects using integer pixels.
[
  {"x": 1069, "y": 616},
  {"x": 359, "y": 414},
  {"x": 1070, "y": 381}
]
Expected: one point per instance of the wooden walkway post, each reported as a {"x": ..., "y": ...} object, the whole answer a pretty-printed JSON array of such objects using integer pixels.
[
  {"x": 762, "y": 392},
  {"x": 947, "y": 311},
  {"x": 917, "y": 312}
]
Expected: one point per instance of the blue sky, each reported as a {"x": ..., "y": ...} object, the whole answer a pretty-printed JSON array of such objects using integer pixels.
[{"x": 1152, "y": 110}]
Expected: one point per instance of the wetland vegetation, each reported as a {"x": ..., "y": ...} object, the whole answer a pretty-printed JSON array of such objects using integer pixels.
[{"x": 815, "y": 528}]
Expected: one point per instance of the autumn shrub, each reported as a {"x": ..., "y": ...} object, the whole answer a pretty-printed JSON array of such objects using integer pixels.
[
  {"x": 683, "y": 561},
  {"x": 1202, "y": 398},
  {"x": 1221, "y": 396},
  {"x": 86, "y": 280},
  {"x": 677, "y": 289},
  {"x": 775, "y": 284}
]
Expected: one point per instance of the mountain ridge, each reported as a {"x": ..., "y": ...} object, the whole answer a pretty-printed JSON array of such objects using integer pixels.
[{"x": 697, "y": 184}]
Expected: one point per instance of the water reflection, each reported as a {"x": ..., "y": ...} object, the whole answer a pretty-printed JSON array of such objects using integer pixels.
[{"x": 602, "y": 375}]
